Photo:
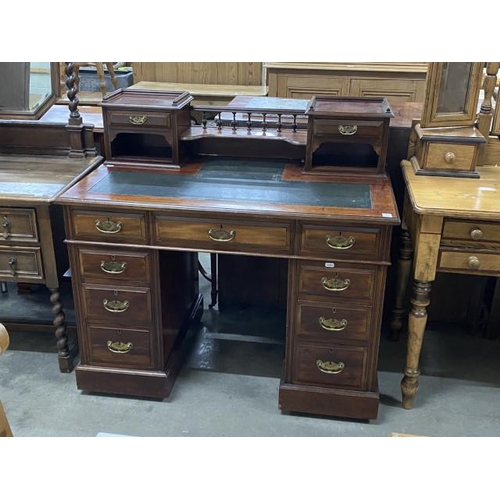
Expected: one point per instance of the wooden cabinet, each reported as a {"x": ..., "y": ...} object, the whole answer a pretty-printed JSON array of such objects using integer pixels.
[{"x": 398, "y": 82}]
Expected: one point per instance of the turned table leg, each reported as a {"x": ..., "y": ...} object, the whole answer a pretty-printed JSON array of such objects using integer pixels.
[
  {"x": 416, "y": 327},
  {"x": 66, "y": 357},
  {"x": 403, "y": 273}
]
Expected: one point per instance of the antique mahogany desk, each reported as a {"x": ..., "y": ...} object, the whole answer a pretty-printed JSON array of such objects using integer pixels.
[
  {"x": 450, "y": 225},
  {"x": 135, "y": 224}
]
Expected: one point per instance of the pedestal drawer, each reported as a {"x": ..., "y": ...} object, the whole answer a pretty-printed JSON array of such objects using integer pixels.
[
  {"x": 18, "y": 225},
  {"x": 118, "y": 306},
  {"x": 215, "y": 234},
  {"x": 120, "y": 348},
  {"x": 331, "y": 366},
  {"x": 20, "y": 264},
  {"x": 113, "y": 227},
  {"x": 114, "y": 266},
  {"x": 340, "y": 242},
  {"x": 334, "y": 322},
  {"x": 337, "y": 280}
]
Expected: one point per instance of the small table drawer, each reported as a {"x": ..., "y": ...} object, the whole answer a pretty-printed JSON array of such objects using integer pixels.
[
  {"x": 213, "y": 234},
  {"x": 337, "y": 281},
  {"x": 334, "y": 322},
  {"x": 109, "y": 226},
  {"x": 110, "y": 266},
  {"x": 18, "y": 225},
  {"x": 21, "y": 264},
  {"x": 474, "y": 234},
  {"x": 458, "y": 157},
  {"x": 118, "y": 306},
  {"x": 138, "y": 120},
  {"x": 338, "y": 242},
  {"x": 350, "y": 130},
  {"x": 331, "y": 366},
  {"x": 120, "y": 348},
  {"x": 469, "y": 262}
]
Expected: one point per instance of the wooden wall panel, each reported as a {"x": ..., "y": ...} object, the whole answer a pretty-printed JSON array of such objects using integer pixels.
[{"x": 221, "y": 73}]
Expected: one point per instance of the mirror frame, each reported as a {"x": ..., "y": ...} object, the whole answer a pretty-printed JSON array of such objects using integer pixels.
[{"x": 431, "y": 117}]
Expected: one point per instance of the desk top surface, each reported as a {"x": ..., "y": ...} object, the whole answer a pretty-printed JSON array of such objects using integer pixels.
[
  {"x": 259, "y": 188},
  {"x": 454, "y": 196}
]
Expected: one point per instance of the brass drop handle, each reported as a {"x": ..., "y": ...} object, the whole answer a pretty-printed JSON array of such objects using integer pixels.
[
  {"x": 221, "y": 234},
  {"x": 335, "y": 284},
  {"x": 332, "y": 324},
  {"x": 6, "y": 228},
  {"x": 348, "y": 129},
  {"x": 120, "y": 347},
  {"x": 116, "y": 306},
  {"x": 450, "y": 157},
  {"x": 108, "y": 226},
  {"x": 13, "y": 266},
  {"x": 476, "y": 233},
  {"x": 340, "y": 242},
  {"x": 138, "y": 119},
  {"x": 330, "y": 367},
  {"x": 473, "y": 262},
  {"x": 113, "y": 267}
]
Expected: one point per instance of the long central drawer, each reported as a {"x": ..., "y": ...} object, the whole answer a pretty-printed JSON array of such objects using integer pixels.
[{"x": 222, "y": 234}]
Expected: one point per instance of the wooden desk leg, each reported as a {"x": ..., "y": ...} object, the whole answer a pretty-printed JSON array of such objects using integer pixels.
[
  {"x": 403, "y": 273},
  {"x": 66, "y": 357},
  {"x": 416, "y": 327}
]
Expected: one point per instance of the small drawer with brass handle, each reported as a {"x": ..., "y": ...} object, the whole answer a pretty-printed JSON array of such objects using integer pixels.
[
  {"x": 341, "y": 366},
  {"x": 115, "y": 347},
  {"x": 108, "y": 226},
  {"x": 471, "y": 263},
  {"x": 18, "y": 225},
  {"x": 112, "y": 265},
  {"x": 124, "y": 306},
  {"x": 131, "y": 119},
  {"x": 340, "y": 241},
  {"x": 21, "y": 264},
  {"x": 221, "y": 234},
  {"x": 338, "y": 322},
  {"x": 348, "y": 129},
  {"x": 337, "y": 279}
]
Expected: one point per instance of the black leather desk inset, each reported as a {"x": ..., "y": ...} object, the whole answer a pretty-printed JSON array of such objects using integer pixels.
[{"x": 218, "y": 182}]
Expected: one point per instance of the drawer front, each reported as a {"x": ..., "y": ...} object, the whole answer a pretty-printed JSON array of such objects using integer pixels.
[
  {"x": 470, "y": 262},
  {"x": 474, "y": 234},
  {"x": 222, "y": 235},
  {"x": 120, "y": 348},
  {"x": 118, "y": 306},
  {"x": 340, "y": 242},
  {"x": 18, "y": 225},
  {"x": 450, "y": 156},
  {"x": 21, "y": 264},
  {"x": 114, "y": 266},
  {"x": 331, "y": 366},
  {"x": 348, "y": 130},
  {"x": 138, "y": 120},
  {"x": 109, "y": 226},
  {"x": 337, "y": 281},
  {"x": 334, "y": 322}
]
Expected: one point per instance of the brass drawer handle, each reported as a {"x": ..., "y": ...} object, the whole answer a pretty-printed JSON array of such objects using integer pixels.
[
  {"x": 335, "y": 284},
  {"x": 120, "y": 347},
  {"x": 108, "y": 226},
  {"x": 332, "y": 324},
  {"x": 340, "y": 242},
  {"x": 473, "y": 262},
  {"x": 330, "y": 367},
  {"x": 476, "y": 233},
  {"x": 221, "y": 234},
  {"x": 116, "y": 306},
  {"x": 6, "y": 228},
  {"x": 348, "y": 129},
  {"x": 113, "y": 267},
  {"x": 450, "y": 157},
  {"x": 138, "y": 119},
  {"x": 13, "y": 266}
]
